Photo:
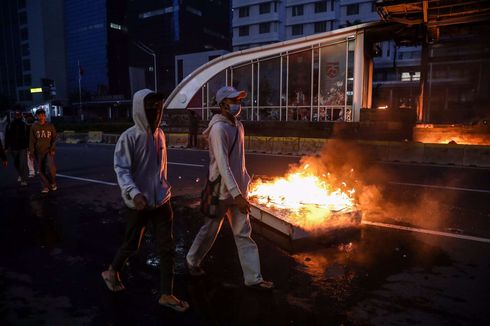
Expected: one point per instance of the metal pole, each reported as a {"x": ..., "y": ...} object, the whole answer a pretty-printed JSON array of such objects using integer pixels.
[
  {"x": 149, "y": 51},
  {"x": 80, "y": 91},
  {"x": 155, "y": 70}
]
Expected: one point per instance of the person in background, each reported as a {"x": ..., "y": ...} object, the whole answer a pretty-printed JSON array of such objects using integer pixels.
[
  {"x": 42, "y": 146},
  {"x": 17, "y": 142},
  {"x": 193, "y": 128},
  {"x": 227, "y": 159},
  {"x": 140, "y": 163},
  {"x": 3, "y": 157},
  {"x": 30, "y": 159}
]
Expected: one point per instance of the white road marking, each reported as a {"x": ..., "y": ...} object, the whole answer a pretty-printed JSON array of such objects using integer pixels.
[
  {"x": 439, "y": 233},
  {"x": 87, "y": 180},
  {"x": 186, "y": 164},
  {"x": 385, "y": 225},
  {"x": 440, "y": 187}
]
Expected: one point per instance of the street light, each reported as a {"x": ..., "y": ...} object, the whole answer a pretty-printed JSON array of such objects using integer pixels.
[{"x": 149, "y": 51}]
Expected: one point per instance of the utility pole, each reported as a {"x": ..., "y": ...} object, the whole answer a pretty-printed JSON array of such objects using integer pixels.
[
  {"x": 149, "y": 51},
  {"x": 80, "y": 90}
]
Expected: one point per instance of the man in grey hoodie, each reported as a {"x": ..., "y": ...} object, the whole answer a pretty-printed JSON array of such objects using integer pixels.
[
  {"x": 227, "y": 159},
  {"x": 140, "y": 163}
]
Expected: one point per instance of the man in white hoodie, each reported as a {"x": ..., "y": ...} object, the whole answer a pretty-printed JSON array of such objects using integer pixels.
[
  {"x": 140, "y": 163},
  {"x": 227, "y": 159}
]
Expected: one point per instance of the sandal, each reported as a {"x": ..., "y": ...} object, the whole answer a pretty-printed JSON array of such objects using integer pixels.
[
  {"x": 179, "y": 305},
  {"x": 264, "y": 285},
  {"x": 113, "y": 283}
]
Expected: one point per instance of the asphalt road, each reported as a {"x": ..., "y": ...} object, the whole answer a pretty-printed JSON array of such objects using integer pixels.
[{"x": 54, "y": 246}]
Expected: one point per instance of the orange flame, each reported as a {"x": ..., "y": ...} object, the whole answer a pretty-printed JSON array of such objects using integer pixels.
[{"x": 307, "y": 199}]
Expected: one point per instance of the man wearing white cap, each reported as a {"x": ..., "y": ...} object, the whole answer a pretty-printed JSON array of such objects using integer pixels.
[{"x": 227, "y": 159}]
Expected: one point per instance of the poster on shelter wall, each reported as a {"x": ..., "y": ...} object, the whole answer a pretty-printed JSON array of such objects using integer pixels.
[{"x": 332, "y": 75}]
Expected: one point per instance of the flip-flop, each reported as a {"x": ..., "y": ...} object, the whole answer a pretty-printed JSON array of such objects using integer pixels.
[
  {"x": 180, "y": 306},
  {"x": 264, "y": 286},
  {"x": 114, "y": 285}
]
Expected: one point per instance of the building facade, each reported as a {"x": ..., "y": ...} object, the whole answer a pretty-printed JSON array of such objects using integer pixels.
[
  {"x": 96, "y": 47},
  {"x": 160, "y": 30},
  {"x": 32, "y": 52},
  {"x": 396, "y": 68}
]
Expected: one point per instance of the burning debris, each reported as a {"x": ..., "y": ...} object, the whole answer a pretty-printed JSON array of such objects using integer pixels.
[{"x": 304, "y": 202}]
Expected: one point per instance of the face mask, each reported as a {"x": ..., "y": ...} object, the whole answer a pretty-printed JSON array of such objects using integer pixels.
[{"x": 235, "y": 109}]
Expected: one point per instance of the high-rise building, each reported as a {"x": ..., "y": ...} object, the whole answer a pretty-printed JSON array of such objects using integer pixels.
[
  {"x": 160, "y": 30},
  {"x": 263, "y": 22},
  {"x": 32, "y": 53},
  {"x": 96, "y": 47}
]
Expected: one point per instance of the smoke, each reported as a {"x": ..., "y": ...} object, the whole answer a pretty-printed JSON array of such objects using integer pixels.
[{"x": 348, "y": 165}]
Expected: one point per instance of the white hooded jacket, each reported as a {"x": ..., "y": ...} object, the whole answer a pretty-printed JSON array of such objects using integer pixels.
[
  {"x": 221, "y": 133},
  {"x": 140, "y": 159}
]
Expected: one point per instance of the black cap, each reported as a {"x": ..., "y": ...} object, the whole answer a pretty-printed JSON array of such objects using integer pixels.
[{"x": 40, "y": 111}]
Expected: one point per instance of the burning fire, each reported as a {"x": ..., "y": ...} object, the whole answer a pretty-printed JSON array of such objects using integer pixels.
[{"x": 303, "y": 197}]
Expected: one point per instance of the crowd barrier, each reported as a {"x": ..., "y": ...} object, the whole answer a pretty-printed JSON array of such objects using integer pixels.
[{"x": 407, "y": 152}]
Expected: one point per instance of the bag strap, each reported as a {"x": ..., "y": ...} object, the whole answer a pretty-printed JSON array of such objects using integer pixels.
[
  {"x": 234, "y": 142},
  {"x": 229, "y": 153}
]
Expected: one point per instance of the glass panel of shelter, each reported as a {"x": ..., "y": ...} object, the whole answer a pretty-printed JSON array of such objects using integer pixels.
[{"x": 314, "y": 84}]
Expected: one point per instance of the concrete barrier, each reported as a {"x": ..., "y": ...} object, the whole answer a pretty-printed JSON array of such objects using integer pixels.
[
  {"x": 260, "y": 144},
  {"x": 405, "y": 152},
  {"x": 285, "y": 145},
  {"x": 463, "y": 155},
  {"x": 70, "y": 137},
  {"x": 477, "y": 156},
  {"x": 177, "y": 140},
  {"x": 375, "y": 150},
  {"x": 94, "y": 137},
  {"x": 310, "y": 146},
  {"x": 443, "y": 154},
  {"x": 110, "y": 138}
]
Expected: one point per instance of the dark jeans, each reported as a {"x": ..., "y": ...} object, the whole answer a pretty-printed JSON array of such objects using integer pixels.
[
  {"x": 20, "y": 162},
  {"x": 161, "y": 219},
  {"x": 47, "y": 169},
  {"x": 192, "y": 139}
]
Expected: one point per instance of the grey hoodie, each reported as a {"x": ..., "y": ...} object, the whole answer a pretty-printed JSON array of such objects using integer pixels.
[
  {"x": 234, "y": 176},
  {"x": 140, "y": 159}
]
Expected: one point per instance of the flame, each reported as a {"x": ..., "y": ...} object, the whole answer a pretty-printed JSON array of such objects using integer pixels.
[{"x": 303, "y": 197}]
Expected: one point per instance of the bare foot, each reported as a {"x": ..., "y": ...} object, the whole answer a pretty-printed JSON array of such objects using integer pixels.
[
  {"x": 170, "y": 301},
  {"x": 112, "y": 280}
]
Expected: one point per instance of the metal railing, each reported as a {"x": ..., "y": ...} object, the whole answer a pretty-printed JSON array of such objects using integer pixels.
[{"x": 322, "y": 113}]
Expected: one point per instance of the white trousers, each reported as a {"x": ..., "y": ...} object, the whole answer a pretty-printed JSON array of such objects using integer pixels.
[{"x": 241, "y": 228}]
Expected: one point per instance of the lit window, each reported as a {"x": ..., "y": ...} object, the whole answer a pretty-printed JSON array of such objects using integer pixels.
[
  {"x": 115, "y": 26},
  {"x": 157, "y": 12}
]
